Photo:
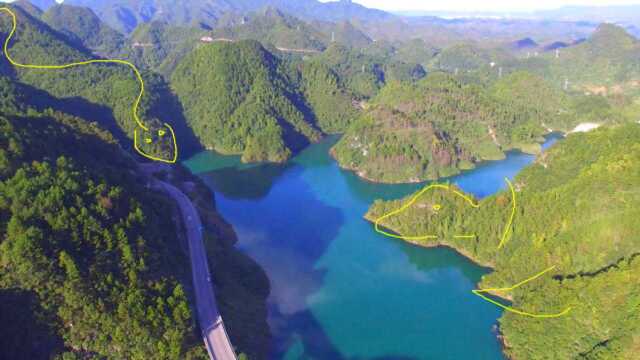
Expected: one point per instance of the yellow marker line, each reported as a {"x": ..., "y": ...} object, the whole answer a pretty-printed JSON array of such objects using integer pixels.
[
  {"x": 411, "y": 202},
  {"x": 80, "y": 63},
  {"x": 513, "y": 213},
  {"x": 175, "y": 146},
  {"x": 516, "y": 311},
  {"x": 465, "y": 236}
]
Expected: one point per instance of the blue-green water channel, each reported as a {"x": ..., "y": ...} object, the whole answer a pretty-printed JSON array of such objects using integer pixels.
[{"x": 339, "y": 289}]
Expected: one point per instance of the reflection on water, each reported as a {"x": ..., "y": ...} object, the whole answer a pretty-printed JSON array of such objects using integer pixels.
[
  {"x": 250, "y": 183},
  {"x": 339, "y": 289}
]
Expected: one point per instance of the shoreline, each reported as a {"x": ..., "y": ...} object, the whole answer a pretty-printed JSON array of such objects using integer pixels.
[
  {"x": 438, "y": 244},
  {"x": 500, "y": 336},
  {"x": 460, "y": 171}
]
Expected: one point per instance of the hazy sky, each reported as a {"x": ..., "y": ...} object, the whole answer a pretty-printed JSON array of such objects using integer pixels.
[{"x": 486, "y": 5}]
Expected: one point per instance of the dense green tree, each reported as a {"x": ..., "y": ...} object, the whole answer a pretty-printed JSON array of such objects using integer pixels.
[
  {"x": 239, "y": 98},
  {"x": 104, "y": 92},
  {"x": 84, "y": 29},
  {"x": 576, "y": 209}
]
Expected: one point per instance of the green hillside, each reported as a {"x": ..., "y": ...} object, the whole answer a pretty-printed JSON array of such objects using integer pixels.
[
  {"x": 416, "y": 51},
  {"x": 604, "y": 64},
  {"x": 359, "y": 72},
  {"x": 90, "y": 264},
  {"x": 330, "y": 102},
  {"x": 440, "y": 125},
  {"x": 86, "y": 244},
  {"x": 274, "y": 27},
  {"x": 104, "y": 91},
  {"x": 467, "y": 57},
  {"x": 84, "y": 29},
  {"x": 607, "y": 63},
  {"x": 125, "y": 15},
  {"x": 343, "y": 32},
  {"x": 576, "y": 210},
  {"x": 158, "y": 46},
  {"x": 238, "y": 99}
]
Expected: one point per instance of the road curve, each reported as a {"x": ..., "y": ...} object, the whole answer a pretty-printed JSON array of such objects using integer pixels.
[{"x": 213, "y": 331}]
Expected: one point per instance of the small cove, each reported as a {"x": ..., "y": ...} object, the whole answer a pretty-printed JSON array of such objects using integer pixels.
[{"x": 339, "y": 289}]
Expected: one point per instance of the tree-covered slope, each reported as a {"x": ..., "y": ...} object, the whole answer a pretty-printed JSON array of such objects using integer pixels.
[
  {"x": 343, "y": 32},
  {"x": 606, "y": 63},
  {"x": 126, "y": 15},
  {"x": 33, "y": 8},
  {"x": 159, "y": 46},
  {"x": 274, "y": 27},
  {"x": 89, "y": 245},
  {"x": 107, "y": 92},
  {"x": 239, "y": 98},
  {"x": 84, "y": 29},
  {"x": 603, "y": 64},
  {"x": 91, "y": 261},
  {"x": 467, "y": 57},
  {"x": 359, "y": 72},
  {"x": 576, "y": 211},
  {"x": 439, "y": 125},
  {"x": 331, "y": 103}
]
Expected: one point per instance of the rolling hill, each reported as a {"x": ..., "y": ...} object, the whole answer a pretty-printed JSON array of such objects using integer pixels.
[
  {"x": 576, "y": 213},
  {"x": 239, "y": 98},
  {"x": 84, "y": 29},
  {"x": 125, "y": 15},
  {"x": 441, "y": 125}
]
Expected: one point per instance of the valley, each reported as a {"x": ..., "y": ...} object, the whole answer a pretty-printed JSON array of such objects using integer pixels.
[{"x": 216, "y": 179}]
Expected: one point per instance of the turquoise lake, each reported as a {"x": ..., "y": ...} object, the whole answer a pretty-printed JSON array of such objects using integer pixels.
[{"x": 339, "y": 290}]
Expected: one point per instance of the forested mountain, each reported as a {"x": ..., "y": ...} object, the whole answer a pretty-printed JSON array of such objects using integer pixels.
[
  {"x": 84, "y": 243},
  {"x": 606, "y": 63},
  {"x": 105, "y": 91},
  {"x": 523, "y": 44},
  {"x": 439, "y": 125},
  {"x": 468, "y": 57},
  {"x": 360, "y": 72},
  {"x": 84, "y": 29},
  {"x": 365, "y": 70},
  {"x": 126, "y": 15},
  {"x": 33, "y": 8},
  {"x": 91, "y": 262},
  {"x": 416, "y": 51},
  {"x": 576, "y": 211},
  {"x": 240, "y": 98},
  {"x": 274, "y": 27},
  {"x": 159, "y": 46},
  {"x": 343, "y": 32}
]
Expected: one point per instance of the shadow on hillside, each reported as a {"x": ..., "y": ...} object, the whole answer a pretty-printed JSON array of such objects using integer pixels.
[
  {"x": 25, "y": 333},
  {"x": 169, "y": 109},
  {"x": 103, "y": 115}
]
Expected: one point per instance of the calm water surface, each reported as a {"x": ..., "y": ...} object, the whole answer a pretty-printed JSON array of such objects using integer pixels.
[{"x": 339, "y": 289}]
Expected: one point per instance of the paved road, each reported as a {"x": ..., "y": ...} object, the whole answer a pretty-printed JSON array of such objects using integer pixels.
[{"x": 213, "y": 330}]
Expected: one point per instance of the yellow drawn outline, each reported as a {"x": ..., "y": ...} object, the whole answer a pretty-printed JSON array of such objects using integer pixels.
[
  {"x": 411, "y": 202},
  {"x": 175, "y": 146},
  {"x": 516, "y": 311},
  {"x": 513, "y": 213},
  {"x": 477, "y": 292},
  {"x": 95, "y": 61}
]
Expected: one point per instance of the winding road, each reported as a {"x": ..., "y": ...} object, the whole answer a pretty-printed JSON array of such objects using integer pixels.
[{"x": 213, "y": 331}]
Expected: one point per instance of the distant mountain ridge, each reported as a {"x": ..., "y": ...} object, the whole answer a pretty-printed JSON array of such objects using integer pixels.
[
  {"x": 125, "y": 15},
  {"x": 83, "y": 27}
]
